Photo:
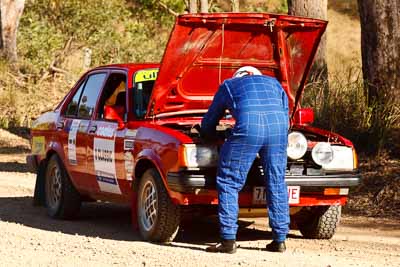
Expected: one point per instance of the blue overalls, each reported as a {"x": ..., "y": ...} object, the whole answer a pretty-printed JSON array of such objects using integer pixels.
[{"x": 260, "y": 107}]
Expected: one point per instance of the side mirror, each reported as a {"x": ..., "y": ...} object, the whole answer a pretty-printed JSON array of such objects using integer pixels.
[{"x": 303, "y": 116}]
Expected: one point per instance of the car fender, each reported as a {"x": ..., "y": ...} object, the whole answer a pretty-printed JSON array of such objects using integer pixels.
[{"x": 150, "y": 155}]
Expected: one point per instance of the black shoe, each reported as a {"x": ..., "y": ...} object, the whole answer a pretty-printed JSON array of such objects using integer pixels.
[
  {"x": 276, "y": 246},
  {"x": 226, "y": 246}
]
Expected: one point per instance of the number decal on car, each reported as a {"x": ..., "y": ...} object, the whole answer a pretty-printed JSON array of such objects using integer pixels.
[
  {"x": 38, "y": 145},
  {"x": 146, "y": 75},
  {"x": 128, "y": 157},
  {"x": 72, "y": 141}
]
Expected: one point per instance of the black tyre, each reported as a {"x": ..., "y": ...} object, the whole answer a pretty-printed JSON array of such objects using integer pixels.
[
  {"x": 158, "y": 218},
  {"x": 318, "y": 222},
  {"x": 62, "y": 199}
]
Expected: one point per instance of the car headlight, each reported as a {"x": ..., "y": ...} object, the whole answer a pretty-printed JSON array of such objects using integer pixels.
[
  {"x": 344, "y": 159},
  {"x": 322, "y": 153},
  {"x": 199, "y": 156},
  {"x": 297, "y": 145}
]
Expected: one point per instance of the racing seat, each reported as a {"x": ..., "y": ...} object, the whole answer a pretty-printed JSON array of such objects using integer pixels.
[{"x": 117, "y": 111}]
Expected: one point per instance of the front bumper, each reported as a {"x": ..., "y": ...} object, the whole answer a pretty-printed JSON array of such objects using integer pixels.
[{"x": 189, "y": 182}]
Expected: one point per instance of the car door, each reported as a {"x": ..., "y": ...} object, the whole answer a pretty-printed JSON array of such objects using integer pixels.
[
  {"x": 73, "y": 127},
  {"x": 105, "y": 141}
]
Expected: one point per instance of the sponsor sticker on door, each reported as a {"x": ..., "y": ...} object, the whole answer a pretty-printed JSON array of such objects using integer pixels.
[
  {"x": 72, "y": 141},
  {"x": 104, "y": 165},
  {"x": 130, "y": 133},
  {"x": 128, "y": 144},
  {"x": 106, "y": 131},
  {"x": 128, "y": 157}
]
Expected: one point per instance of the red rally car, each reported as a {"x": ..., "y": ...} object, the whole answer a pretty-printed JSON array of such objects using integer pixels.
[{"x": 127, "y": 133}]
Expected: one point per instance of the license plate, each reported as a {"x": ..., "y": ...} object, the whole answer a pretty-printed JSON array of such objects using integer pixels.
[{"x": 259, "y": 195}]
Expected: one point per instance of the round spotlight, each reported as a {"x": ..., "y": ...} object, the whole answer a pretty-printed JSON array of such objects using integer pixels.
[
  {"x": 297, "y": 145},
  {"x": 322, "y": 153}
]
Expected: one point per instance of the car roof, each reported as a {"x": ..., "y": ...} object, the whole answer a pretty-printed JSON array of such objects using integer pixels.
[{"x": 128, "y": 66}]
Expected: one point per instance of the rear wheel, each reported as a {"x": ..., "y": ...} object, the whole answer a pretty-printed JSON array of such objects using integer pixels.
[
  {"x": 158, "y": 218},
  {"x": 318, "y": 222},
  {"x": 62, "y": 199}
]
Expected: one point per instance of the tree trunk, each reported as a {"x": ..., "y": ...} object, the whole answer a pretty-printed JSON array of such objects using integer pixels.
[
  {"x": 235, "y": 5},
  {"x": 193, "y": 6},
  {"x": 380, "y": 49},
  {"x": 204, "y": 6},
  {"x": 10, "y": 14},
  {"x": 315, "y": 9}
]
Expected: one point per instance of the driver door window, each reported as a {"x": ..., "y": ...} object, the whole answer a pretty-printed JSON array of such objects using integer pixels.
[
  {"x": 89, "y": 97},
  {"x": 112, "y": 104}
]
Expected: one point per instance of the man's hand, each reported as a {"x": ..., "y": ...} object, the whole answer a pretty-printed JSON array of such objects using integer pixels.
[{"x": 196, "y": 129}]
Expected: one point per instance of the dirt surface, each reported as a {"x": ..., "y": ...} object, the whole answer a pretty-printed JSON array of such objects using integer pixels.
[{"x": 102, "y": 235}]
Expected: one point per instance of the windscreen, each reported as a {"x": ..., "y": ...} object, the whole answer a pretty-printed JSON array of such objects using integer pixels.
[{"x": 143, "y": 86}]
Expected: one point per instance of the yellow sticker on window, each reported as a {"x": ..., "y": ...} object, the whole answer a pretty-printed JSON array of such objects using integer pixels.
[
  {"x": 146, "y": 75},
  {"x": 38, "y": 145}
]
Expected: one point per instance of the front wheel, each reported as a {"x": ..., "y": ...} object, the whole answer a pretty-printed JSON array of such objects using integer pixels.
[
  {"x": 158, "y": 218},
  {"x": 62, "y": 199},
  {"x": 318, "y": 222}
]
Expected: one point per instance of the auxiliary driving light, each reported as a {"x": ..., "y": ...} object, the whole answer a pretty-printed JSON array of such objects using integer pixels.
[
  {"x": 322, "y": 153},
  {"x": 297, "y": 145}
]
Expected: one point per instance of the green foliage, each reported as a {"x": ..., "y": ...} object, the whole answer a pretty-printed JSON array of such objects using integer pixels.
[
  {"x": 153, "y": 9},
  {"x": 115, "y": 30},
  {"x": 38, "y": 42}
]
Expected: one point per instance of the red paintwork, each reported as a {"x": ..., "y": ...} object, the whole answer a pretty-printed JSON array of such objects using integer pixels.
[
  {"x": 190, "y": 68},
  {"x": 203, "y": 50},
  {"x": 245, "y": 199},
  {"x": 331, "y": 137},
  {"x": 114, "y": 113},
  {"x": 303, "y": 116}
]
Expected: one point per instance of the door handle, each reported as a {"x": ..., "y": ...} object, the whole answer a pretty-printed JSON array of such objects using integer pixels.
[
  {"x": 93, "y": 129},
  {"x": 60, "y": 125}
]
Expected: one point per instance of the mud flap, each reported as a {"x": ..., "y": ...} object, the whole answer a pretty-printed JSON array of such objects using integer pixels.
[
  {"x": 134, "y": 214},
  {"x": 39, "y": 197}
]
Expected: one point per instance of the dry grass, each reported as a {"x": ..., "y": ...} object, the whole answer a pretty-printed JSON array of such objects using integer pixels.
[
  {"x": 24, "y": 97},
  {"x": 379, "y": 192},
  {"x": 344, "y": 43}
]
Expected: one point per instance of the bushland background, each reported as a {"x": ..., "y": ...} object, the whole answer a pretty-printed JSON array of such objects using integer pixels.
[{"x": 59, "y": 40}]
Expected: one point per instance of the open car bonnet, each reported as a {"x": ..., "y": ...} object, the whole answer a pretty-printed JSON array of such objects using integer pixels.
[{"x": 205, "y": 49}]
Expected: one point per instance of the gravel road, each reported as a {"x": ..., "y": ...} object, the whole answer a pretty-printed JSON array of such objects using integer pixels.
[{"x": 102, "y": 236}]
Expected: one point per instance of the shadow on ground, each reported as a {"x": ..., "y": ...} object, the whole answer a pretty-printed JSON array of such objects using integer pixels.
[
  {"x": 13, "y": 167},
  {"x": 102, "y": 220},
  {"x": 14, "y": 150},
  {"x": 112, "y": 221},
  {"x": 20, "y": 131}
]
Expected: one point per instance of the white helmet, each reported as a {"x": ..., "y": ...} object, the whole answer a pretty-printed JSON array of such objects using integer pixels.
[{"x": 246, "y": 70}]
